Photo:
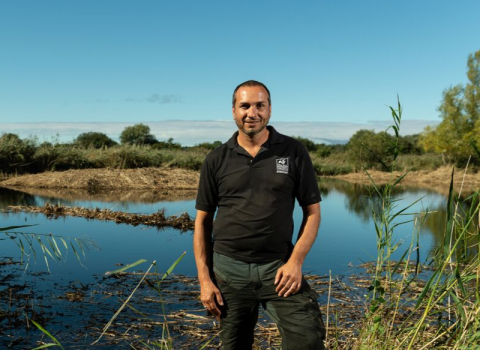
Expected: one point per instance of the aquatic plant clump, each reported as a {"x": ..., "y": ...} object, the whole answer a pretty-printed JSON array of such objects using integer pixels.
[{"x": 182, "y": 222}]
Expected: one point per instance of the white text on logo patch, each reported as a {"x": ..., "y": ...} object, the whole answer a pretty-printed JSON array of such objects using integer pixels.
[{"x": 282, "y": 165}]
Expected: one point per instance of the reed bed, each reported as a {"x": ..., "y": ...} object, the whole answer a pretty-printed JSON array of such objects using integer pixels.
[{"x": 443, "y": 314}]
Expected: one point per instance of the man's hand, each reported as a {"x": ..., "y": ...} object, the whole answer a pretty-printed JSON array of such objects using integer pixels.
[
  {"x": 288, "y": 279},
  {"x": 211, "y": 298}
]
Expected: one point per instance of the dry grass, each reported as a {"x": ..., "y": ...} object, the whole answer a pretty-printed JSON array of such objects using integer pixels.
[
  {"x": 95, "y": 179},
  {"x": 438, "y": 179}
]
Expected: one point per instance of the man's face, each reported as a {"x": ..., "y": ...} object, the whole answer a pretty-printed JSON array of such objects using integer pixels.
[{"x": 252, "y": 110}]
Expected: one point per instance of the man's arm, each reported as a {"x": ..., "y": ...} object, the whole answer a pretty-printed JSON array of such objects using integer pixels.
[
  {"x": 289, "y": 276},
  {"x": 202, "y": 246}
]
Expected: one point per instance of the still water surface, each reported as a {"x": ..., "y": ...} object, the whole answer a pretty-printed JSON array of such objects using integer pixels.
[{"x": 346, "y": 238}]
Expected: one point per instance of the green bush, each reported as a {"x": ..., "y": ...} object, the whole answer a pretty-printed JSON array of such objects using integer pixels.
[{"x": 16, "y": 155}]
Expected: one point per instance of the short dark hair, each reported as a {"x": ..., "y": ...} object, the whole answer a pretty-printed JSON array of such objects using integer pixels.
[{"x": 250, "y": 83}]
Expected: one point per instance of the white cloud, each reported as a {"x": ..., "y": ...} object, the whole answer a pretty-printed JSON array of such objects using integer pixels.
[{"x": 189, "y": 133}]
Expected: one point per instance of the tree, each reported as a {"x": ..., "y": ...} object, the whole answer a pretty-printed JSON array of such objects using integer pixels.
[
  {"x": 409, "y": 144},
  {"x": 450, "y": 137},
  {"x": 309, "y": 144},
  {"x": 139, "y": 134},
  {"x": 366, "y": 147},
  {"x": 460, "y": 113},
  {"x": 16, "y": 155},
  {"x": 323, "y": 150},
  {"x": 94, "y": 139}
]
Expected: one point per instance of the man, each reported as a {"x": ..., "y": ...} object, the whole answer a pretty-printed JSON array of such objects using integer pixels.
[{"x": 253, "y": 181}]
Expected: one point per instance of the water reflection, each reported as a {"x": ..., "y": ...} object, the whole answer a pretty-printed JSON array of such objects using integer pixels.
[
  {"x": 118, "y": 196},
  {"x": 12, "y": 197},
  {"x": 347, "y": 234},
  {"x": 359, "y": 199},
  {"x": 137, "y": 201}
]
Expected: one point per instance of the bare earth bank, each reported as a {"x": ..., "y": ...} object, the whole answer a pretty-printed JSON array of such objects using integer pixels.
[
  {"x": 438, "y": 179},
  {"x": 101, "y": 179},
  {"x": 172, "y": 179}
]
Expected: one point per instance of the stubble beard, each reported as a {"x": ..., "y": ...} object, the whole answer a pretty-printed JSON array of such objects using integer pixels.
[{"x": 251, "y": 132}]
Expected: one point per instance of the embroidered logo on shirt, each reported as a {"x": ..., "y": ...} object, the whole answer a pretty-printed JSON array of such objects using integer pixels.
[{"x": 282, "y": 165}]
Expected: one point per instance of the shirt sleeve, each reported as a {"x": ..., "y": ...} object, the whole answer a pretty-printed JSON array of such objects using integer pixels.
[
  {"x": 207, "y": 195},
  {"x": 306, "y": 191}
]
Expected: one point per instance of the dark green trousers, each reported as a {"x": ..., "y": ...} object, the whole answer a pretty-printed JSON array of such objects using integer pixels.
[{"x": 245, "y": 286}]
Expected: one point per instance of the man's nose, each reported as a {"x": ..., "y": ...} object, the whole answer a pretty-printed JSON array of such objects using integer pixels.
[{"x": 252, "y": 111}]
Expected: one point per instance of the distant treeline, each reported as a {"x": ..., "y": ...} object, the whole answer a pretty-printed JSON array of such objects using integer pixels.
[{"x": 139, "y": 148}]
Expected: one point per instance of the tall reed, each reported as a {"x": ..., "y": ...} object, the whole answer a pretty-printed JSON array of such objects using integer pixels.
[{"x": 444, "y": 313}]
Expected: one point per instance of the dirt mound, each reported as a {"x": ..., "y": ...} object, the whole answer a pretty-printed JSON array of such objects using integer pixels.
[
  {"x": 438, "y": 179},
  {"x": 100, "y": 179}
]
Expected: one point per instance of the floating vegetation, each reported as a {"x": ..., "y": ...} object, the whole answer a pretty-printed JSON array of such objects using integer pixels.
[
  {"x": 76, "y": 313},
  {"x": 182, "y": 222}
]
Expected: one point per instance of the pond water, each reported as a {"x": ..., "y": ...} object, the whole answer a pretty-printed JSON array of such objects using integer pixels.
[{"x": 346, "y": 240}]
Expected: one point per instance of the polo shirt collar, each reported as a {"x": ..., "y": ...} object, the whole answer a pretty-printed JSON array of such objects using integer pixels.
[{"x": 273, "y": 138}]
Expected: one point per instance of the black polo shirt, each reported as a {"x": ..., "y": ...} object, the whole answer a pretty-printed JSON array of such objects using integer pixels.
[{"x": 255, "y": 197}]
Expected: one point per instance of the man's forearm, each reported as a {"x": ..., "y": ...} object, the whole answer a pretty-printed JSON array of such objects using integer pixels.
[
  {"x": 210, "y": 295},
  {"x": 307, "y": 234},
  {"x": 202, "y": 244}
]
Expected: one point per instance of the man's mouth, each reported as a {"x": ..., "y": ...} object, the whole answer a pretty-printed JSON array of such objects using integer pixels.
[{"x": 252, "y": 124}]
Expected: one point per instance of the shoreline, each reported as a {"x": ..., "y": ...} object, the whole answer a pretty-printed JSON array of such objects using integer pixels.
[{"x": 169, "y": 180}]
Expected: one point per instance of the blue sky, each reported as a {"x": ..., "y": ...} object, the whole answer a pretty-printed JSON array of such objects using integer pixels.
[{"x": 109, "y": 62}]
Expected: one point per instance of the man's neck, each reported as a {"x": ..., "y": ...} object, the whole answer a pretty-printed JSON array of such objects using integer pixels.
[{"x": 252, "y": 144}]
